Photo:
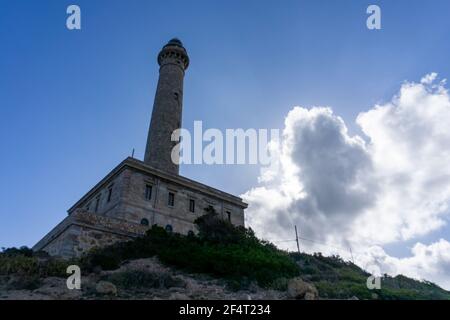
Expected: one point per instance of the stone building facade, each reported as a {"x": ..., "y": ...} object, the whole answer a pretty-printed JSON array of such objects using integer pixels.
[{"x": 138, "y": 194}]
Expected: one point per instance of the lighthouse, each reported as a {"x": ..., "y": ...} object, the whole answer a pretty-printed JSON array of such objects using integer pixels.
[{"x": 173, "y": 61}]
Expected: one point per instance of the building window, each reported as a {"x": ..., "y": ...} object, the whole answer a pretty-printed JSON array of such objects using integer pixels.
[
  {"x": 229, "y": 216},
  {"x": 191, "y": 205},
  {"x": 88, "y": 207},
  {"x": 148, "y": 192},
  {"x": 110, "y": 190},
  {"x": 97, "y": 203},
  {"x": 190, "y": 233},
  {"x": 144, "y": 222},
  {"x": 171, "y": 199},
  {"x": 169, "y": 228}
]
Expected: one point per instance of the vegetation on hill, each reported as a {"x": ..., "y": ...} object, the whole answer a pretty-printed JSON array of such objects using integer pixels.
[
  {"x": 226, "y": 252},
  {"x": 339, "y": 279},
  {"x": 28, "y": 268},
  {"x": 220, "y": 249}
]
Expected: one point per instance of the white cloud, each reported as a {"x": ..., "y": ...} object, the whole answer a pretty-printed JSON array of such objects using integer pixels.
[
  {"x": 429, "y": 78},
  {"x": 431, "y": 263},
  {"x": 410, "y": 147},
  {"x": 391, "y": 185}
]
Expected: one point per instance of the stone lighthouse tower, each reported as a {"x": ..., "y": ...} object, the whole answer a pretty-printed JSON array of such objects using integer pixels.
[
  {"x": 167, "y": 108},
  {"x": 136, "y": 195}
]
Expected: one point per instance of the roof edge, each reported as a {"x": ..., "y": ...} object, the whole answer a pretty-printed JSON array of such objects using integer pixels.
[{"x": 140, "y": 165}]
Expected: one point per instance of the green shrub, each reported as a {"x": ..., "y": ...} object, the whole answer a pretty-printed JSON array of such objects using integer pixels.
[
  {"x": 24, "y": 282},
  {"x": 13, "y": 252},
  {"x": 338, "y": 279},
  {"x": 220, "y": 249},
  {"x": 280, "y": 284},
  {"x": 25, "y": 263}
]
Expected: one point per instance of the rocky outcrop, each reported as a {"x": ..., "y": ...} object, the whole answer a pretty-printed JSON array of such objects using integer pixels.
[
  {"x": 299, "y": 289},
  {"x": 106, "y": 288}
]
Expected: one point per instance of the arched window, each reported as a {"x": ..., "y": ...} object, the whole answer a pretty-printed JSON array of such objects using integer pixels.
[
  {"x": 144, "y": 222},
  {"x": 191, "y": 233},
  {"x": 169, "y": 228}
]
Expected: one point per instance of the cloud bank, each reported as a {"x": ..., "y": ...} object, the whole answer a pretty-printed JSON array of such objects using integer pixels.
[{"x": 389, "y": 184}]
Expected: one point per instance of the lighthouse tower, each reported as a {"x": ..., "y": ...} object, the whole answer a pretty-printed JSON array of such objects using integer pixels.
[
  {"x": 136, "y": 195},
  {"x": 167, "y": 108}
]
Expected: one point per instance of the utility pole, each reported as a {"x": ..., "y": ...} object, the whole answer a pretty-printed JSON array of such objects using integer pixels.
[{"x": 296, "y": 239}]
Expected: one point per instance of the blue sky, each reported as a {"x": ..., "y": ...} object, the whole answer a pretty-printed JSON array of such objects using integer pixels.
[{"x": 73, "y": 104}]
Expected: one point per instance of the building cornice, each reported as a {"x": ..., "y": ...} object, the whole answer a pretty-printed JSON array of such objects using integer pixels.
[{"x": 176, "y": 179}]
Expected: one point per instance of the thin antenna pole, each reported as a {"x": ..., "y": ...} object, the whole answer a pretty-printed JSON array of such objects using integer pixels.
[
  {"x": 132, "y": 153},
  {"x": 296, "y": 239}
]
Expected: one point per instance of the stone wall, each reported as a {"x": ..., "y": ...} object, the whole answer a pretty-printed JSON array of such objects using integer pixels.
[
  {"x": 107, "y": 206},
  {"x": 83, "y": 231}
]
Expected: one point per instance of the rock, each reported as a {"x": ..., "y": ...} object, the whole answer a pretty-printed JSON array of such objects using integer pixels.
[
  {"x": 178, "y": 296},
  {"x": 253, "y": 287},
  {"x": 310, "y": 296},
  {"x": 299, "y": 289},
  {"x": 56, "y": 288},
  {"x": 105, "y": 287},
  {"x": 354, "y": 298}
]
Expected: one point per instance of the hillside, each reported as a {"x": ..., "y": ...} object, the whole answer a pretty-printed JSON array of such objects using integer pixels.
[
  {"x": 221, "y": 262},
  {"x": 338, "y": 279}
]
